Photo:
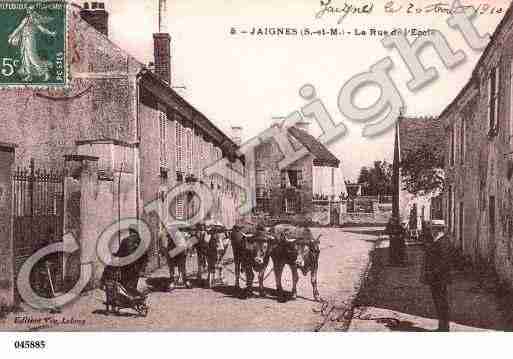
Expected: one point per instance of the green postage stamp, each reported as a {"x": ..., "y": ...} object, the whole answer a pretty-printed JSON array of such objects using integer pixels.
[{"x": 33, "y": 44}]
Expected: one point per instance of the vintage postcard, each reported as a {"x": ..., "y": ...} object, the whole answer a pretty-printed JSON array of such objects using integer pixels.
[{"x": 235, "y": 166}]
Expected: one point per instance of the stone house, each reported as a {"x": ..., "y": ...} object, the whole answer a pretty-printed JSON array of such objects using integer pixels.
[
  {"x": 478, "y": 159},
  {"x": 117, "y": 140},
  {"x": 289, "y": 192}
]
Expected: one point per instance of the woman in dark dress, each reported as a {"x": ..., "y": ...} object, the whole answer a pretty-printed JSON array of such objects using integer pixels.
[{"x": 127, "y": 275}]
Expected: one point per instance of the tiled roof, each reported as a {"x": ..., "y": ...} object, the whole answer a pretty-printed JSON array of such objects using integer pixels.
[
  {"x": 323, "y": 157},
  {"x": 415, "y": 132}
]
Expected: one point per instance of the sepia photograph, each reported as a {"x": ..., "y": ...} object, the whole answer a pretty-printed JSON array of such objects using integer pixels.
[{"x": 292, "y": 166}]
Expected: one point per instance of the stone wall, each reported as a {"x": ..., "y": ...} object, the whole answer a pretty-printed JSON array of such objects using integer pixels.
[
  {"x": 484, "y": 173},
  {"x": 100, "y": 103},
  {"x": 6, "y": 250}
]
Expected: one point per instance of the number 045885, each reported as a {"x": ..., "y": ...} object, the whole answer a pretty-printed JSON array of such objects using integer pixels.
[{"x": 29, "y": 344}]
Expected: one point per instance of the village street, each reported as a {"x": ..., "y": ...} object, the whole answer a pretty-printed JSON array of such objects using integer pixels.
[{"x": 343, "y": 261}]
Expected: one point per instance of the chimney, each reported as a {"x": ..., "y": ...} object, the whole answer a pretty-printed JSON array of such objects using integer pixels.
[
  {"x": 95, "y": 15},
  {"x": 162, "y": 46},
  {"x": 303, "y": 125},
  {"x": 237, "y": 135},
  {"x": 276, "y": 122}
]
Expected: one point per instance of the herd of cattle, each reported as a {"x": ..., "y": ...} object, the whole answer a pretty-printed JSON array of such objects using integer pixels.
[{"x": 253, "y": 247}]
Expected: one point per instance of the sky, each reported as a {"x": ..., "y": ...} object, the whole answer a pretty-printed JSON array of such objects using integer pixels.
[{"x": 247, "y": 81}]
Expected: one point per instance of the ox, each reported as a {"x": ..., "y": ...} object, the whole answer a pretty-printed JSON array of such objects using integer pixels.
[
  {"x": 211, "y": 246},
  {"x": 251, "y": 253},
  {"x": 299, "y": 251},
  {"x": 167, "y": 246}
]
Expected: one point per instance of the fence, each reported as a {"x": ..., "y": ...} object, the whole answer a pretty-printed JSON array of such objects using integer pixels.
[{"x": 38, "y": 206}]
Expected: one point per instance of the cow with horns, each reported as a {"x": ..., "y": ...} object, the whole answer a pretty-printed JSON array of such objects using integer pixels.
[
  {"x": 296, "y": 248},
  {"x": 251, "y": 253}
]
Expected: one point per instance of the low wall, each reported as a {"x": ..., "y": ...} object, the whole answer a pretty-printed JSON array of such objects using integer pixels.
[
  {"x": 321, "y": 214},
  {"x": 380, "y": 218}
]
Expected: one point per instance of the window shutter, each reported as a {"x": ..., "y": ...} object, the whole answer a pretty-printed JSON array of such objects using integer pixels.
[
  {"x": 197, "y": 154},
  {"x": 202, "y": 159},
  {"x": 462, "y": 140},
  {"x": 190, "y": 155},
  {"x": 178, "y": 143},
  {"x": 180, "y": 207},
  {"x": 453, "y": 145},
  {"x": 490, "y": 103},
  {"x": 511, "y": 101},
  {"x": 497, "y": 93},
  {"x": 163, "y": 139},
  {"x": 179, "y": 147}
]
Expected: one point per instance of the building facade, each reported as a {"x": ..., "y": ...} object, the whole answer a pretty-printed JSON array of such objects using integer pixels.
[
  {"x": 77, "y": 160},
  {"x": 289, "y": 192},
  {"x": 478, "y": 159}
]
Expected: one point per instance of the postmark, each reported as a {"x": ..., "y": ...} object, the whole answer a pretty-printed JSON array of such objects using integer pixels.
[{"x": 33, "y": 44}]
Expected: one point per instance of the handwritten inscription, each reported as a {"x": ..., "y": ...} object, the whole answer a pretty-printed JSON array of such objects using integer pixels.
[
  {"x": 443, "y": 8},
  {"x": 328, "y": 8},
  {"x": 344, "y": 9}
]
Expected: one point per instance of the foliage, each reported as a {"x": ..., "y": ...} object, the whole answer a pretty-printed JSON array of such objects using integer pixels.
[
  {"x": 377, "y": 178},
  {"x": 422, "y": 170}
]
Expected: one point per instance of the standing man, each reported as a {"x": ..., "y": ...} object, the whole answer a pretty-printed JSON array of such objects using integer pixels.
[
  {"x": 437, "y": 272},
  {"x": 397, "y": 234}
]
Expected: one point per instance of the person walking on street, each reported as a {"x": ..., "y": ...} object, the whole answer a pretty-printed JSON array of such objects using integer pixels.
[
  {"x": 436, "y": 271},
  {"x": 397, "y": 235}
]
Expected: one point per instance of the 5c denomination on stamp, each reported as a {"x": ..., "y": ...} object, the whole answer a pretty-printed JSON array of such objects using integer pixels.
[{"x": 33, "y": 44}]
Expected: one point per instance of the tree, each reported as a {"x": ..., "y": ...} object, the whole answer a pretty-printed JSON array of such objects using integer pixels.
[
  {"x": 378, "y": 178},
  {"x": 422, "y": 170}
]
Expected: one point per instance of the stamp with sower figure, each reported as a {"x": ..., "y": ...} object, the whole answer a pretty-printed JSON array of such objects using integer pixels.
[{"x": 33, "y": 44}]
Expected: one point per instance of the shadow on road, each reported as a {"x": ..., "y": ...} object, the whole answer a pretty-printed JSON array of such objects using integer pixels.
[
  {"x": 158, "y": 284},
  {"x": 397, "y": 325},
  {"x": 118, "y": 314},
  {"x": 270, "y": 293},
  {"x": 367, "y": 232},
  {"x": 399, "y": 289}
]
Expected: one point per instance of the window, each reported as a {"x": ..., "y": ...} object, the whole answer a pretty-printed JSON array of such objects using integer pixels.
[
  {"x": 436, "y": 208},
  {"x": 196, "y": 152},
  {"x": 188, "y": 151},
  {"x": 179, "y": 147},
  {"x": 180, "y": 207},
  {"x": 493, "y": 96},
  {"x": 263, "y": 195},
  {"x": 461, "y": 224},
  {"x": 284, "y": 179},
  {"x": 452, "y": 146},
  {"x": 291, "y": 178},
  {"x": 261, "y": 180},
  {"x": 292, "y": 204},
  {"x": 454, "y": 216},
  {"x": 449, "y": 208},
  {"x": 462, "y": 141},
  {"x": 163, "y": 138},
  {"x": 491, "y": 212},
  {"x": 511, "y": 103}
]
